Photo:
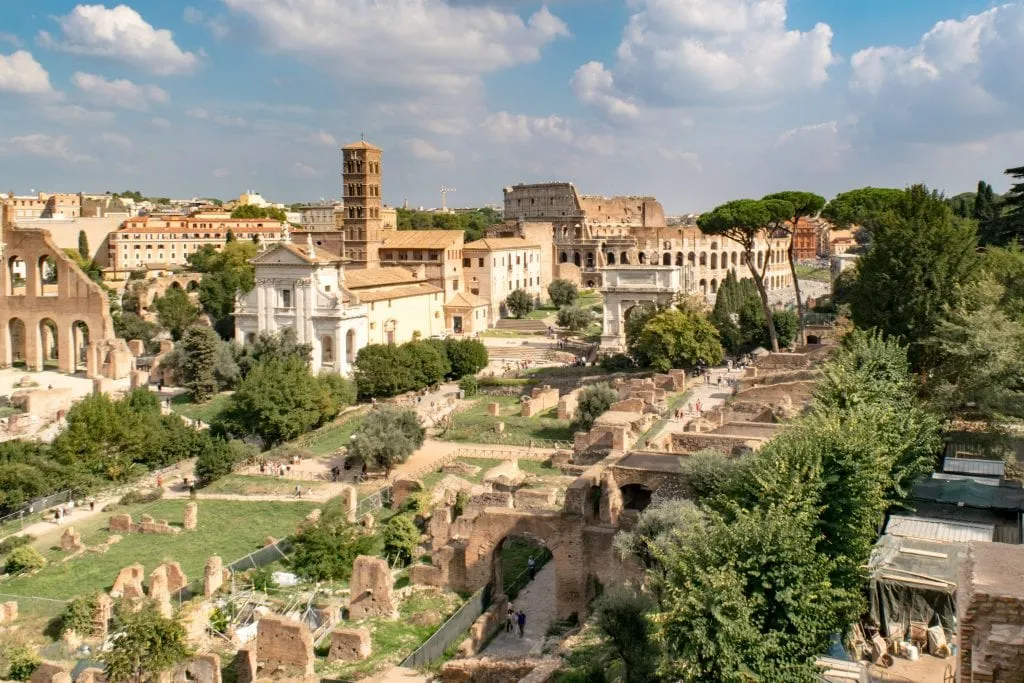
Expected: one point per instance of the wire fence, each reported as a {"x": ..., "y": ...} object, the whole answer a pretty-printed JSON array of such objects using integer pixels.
[
  {"x": 435, "y": 646},
  {"x": 36, "y": 505}
]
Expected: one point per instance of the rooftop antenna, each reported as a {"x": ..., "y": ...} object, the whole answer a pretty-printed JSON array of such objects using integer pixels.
[{"x": 444, "y": 196}]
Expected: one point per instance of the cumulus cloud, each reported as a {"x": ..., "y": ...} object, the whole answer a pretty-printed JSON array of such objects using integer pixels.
[
  {"x": 707, "y": 52},
  {"x": 119, "y": 92},
  {"x": 42, "y": 146},
  {"x": 120, "y": 34},
  {"x": 21, "y": 73},
  {"x": 321, "y": 137},
  {"x": 961, "y": 79},
  {"x": 426, "y": 45},
  {"x": 422, "y": 149},
  {"x": 506, "y": 127}
]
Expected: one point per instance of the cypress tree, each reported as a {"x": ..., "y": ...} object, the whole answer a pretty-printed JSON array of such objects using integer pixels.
[{"x": 83, "y": 245}]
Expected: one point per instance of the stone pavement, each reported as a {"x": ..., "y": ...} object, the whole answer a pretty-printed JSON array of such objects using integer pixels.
[
  {"x": 537, "y": 600},
  {"x": 710, "y": 395}
]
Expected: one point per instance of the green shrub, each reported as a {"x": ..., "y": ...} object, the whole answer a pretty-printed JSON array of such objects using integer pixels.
[
  {"x": 327, "y": 550},
  {"x": 461, "y": 501},
  {"x": 77, "y": 616},
  {"x": 22, "y": 663},
  {"x": 25, "y": 558},
  {"x": 400, "y": 538},
  {"x": 136, "y": 497},
  {"x": 469, "y": 385},
  {"x": 12, "y": 542},
  {"x": 616, "y": 362},
  {"x": 593, "y": 402},
  {"x": 263, "y": 579}
]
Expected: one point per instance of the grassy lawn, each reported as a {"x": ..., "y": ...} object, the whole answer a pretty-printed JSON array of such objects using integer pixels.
[
  {"x": 258, "y": 485},
  {"x": 539, "y": 468},
  {"x": 540, "y": 313},
  {"x": 510, "y": 333},
  {"x": 808, "y": 272},
  {"x": 205, "y": 412},
  {"x": 231, "y": 529},
  {"x": 394, "y": 640},
  {"x": 336, "y": 435},
  {"x": 588, "y": 298},
  {"x": 475, "y": 425}
]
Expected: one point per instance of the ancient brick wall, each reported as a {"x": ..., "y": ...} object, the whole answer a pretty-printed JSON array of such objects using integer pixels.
[
  {"x": 990, "y": 614},
  {"x": 541, "y": 399}
]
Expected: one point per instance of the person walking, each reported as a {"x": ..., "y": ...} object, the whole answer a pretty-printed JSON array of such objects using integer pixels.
[
  {"x": 510, "y": 620},
  {"x": 531, "y": 566},
  {"x": 521, "y": 620}
]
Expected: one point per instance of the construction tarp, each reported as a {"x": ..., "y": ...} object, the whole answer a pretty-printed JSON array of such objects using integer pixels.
[{"x": 914, "y": 580}]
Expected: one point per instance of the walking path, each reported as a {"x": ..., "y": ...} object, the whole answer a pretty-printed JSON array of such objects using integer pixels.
[
  {"x": 710, "y": 395},
  {"x": 537, "y": 600}
]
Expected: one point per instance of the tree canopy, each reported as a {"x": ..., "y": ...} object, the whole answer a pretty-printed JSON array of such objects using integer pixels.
[
  {"x": 562, "y": 292},
  {"x": 251, "y": 211},
  {"x": 147, "y": 645},
  {"x": 175, "y": 312},
  {"x": 678, "y": 339},
  {"x": 387, "y": 437},
  {"x": 861, "y": 207},
  {"x": 1005, "y": 224},
  {"x": 592, "y": 403},
  {"x": 226, "y": 273},
  {"x": 519, "y": 303},
  {"x": 805, "y": 204},
  {"x": 472, "y": 223}
]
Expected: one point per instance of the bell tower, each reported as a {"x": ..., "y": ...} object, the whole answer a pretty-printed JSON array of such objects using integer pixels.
[{"x": 362, "y": 222}]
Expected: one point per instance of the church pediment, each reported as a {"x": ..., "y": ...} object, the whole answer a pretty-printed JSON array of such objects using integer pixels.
[{"x": 281, "y": 255}]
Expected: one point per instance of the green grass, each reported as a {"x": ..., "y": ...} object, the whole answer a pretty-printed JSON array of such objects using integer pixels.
[
  {"x": 335, "y": 435},
  {"x": 231, "y": 529},
  {"x": 539, "y": 468},
  {"x": 511, "y": 333},
  {"x": 484, "y": 464},
  {"x": 259, "y": 485},
  {"x": 541, "y": 313},
  {"x": 7, "y": 411},
  {"x": 475, "y": 425},
  {"x": 205, "y": 412},
  {"x": 394, "y": 640},
  {"x": 808, "y": 272},
  {"x": 515, "y": 554}
]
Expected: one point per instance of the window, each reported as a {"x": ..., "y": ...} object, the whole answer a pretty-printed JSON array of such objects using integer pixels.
[
  {"x": 466, "y": 262},
  {"x": 455, "y": 285},
  {"x": 286, "y": 298},
  {"x": 475, "y": 291},
  {"x": 481, "y": 263}
]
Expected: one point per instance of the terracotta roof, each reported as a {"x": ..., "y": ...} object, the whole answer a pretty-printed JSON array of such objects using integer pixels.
[
  {"x": 362, "y": 144},
  {"x": 385, "y": 293},
  {"x": 466, "y": 300},
  {"x": 499, "y": 243},
  {"x": 422, "y": 239},
  {"x": 379, "y": 277}
]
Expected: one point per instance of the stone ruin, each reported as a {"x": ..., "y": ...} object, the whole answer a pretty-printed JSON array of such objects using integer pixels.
[
  {"x": 71, "y": 542},
  {"x": 8, "y": 612},
  {"x": 283, "y": 649},
  {"x": 147, "y": 525},
  {"x": 567, "y": 404},
  {"x": 158, "y": 591},
  {"x": 213, "y": 575},
  {"x": 191, "y": 518},
  {"x": 102, "y": 615},
  {"x": 540, "y": 399},
  {"x": 368, "y": 521},
  {"x": 403, "y": 488},
  {"x": 349, "y": 502},
  {"x": 349, "y": 645},
  {"x": 128, "y": 584},
  {"x": 204, "y": 668},
  {"x": 990, "y": 613},
  {"x": 494, "y": 409},
  {"x": 50, "y": 672},
  {"x": 371, "y": 589},
  {"x": 461, "y": 469}
]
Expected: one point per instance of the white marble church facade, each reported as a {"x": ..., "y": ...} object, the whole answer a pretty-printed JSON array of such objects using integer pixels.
[{"x": 304, "y": 288}]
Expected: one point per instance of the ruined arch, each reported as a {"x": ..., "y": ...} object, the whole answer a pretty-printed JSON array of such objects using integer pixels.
[
  {"x": 590, "y": 259},
  {"x": 714, "y": 261},
  {"x": 49, "y": 279},
  {"x": 641, "y": 258},
  {"x": 576, "y": 260},
  {"x": 692, "y": 259},
  {"x": 734, "y": 258},
  {"x": 17, "y": 276},
  {"x": 563, "y": 257},
  {"x": 703, "y": 287},
  {"x": 17, "y": 341},
  {"x": 703, "y": 258},
  {"x": 635, "y": 497},
  {"x": 193, "y": 286},
  {"x": 79, "y": 346},
  {"x": 624, "y": 259},
  {"x": 610, "y": 258},
  {"x": 679, "y": 258},
  {"x": 49, "y": 341},
  {"x": 714, "y": 286}
]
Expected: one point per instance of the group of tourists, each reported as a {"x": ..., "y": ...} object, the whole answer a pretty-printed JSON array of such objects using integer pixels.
[{"x": 515, "y": 619}]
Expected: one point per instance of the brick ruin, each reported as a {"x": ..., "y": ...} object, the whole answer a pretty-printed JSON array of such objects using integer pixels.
[
  {"x": 53, "y": 313},
  {"x": 283, "y": 649},
  {"x": 147, "y": 525},
  {"x": 349, "y": 645},
  {"x": 71, "y": 542},
  {"x": 371, "y": 589},
  {"x": 990, "y": 614},
  {"x": 8, "y": 612},
  {"x": 540, "y": 399}
]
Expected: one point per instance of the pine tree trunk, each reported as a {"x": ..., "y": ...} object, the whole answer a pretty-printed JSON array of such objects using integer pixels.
[
  {"x": 759, "y": 283},
  {"x": 801, "y": 335}
]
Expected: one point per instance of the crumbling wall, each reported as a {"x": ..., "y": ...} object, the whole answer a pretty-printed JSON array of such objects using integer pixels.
[
  {"x": 540, "y": 399},
  {"x": 990, "y": 614}
]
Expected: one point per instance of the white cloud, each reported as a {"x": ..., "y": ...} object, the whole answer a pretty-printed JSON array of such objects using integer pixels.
[
  {"x": 217, "y": 25},
  {"x": 119, "y": 92},
  {"x": 301, "y": 170},
  {"x": 74, "y": 114},
  {"x": 117, "y": 141},
  {"x": 120, "y": 34},
  {"x": 594, "y": 85},
  {"x": 321, "y": 137},
  {"x": 961, "y": 80},
  {"x": 421, "y": 149},
  {"x": 707, "y": 52},
  {"x": 42, "y": 146},
  {"x": 506, "y": 127},
  {"x": 10, "y": 38},
  {"x": 21, "y": 73},
  {"x": 426, "y": 45},
  {"x": 197, "y": 113},
  {"x": 193, "y": 15}
]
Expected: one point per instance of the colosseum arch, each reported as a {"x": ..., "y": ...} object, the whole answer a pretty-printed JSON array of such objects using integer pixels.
[
  {"x": 610, "y": 258},
  {"x": 666, "y": 259}
]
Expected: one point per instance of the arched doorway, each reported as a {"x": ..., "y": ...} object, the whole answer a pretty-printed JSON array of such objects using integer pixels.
[
  {"x": 635, "y": 497},
  {"x": 813, "y": 339},
  {"x": 16, "y": 342},
  {"x": 703, "y": 287},
  {"x": 16, "y": 274},
  {"x": 692, "y": 258},
  {"x": 714, "y": 285},
  {"x": 576, "y": 259},
  {"x": 624, "y": 259},
  {"x": 327, "y": 350},
  {"x": 563, "y": 258},
  {"x": 48, "y": 280},
  {"x": 79, "y": 346},
  {"x": 641, "y": 258},
  {"x": 679, "y": 258},
  {"x": 590, "y": 259},
  {"x": 350, "y": 346},
  {"x": 666, "y": 260},
  {"x": 49, "y": 343},
  {"x": 714, "y": 261},
  {"x": 193, "y": 286},
  {"x": 531, "y": 590},
  {"x": 175, "y": 285},
  {"x": 610, "y": 258}
]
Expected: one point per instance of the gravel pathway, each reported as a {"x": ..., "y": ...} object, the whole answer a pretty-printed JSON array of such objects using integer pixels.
[{"x": 537, "y": 600}]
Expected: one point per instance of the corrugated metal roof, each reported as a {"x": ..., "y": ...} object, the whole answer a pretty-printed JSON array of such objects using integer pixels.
[
  {"x": 939, "y": 530},
  {"x": 986, "y": 468},
  {"x": 984, "y": 481},
  {"x": 969, "y": 493}
]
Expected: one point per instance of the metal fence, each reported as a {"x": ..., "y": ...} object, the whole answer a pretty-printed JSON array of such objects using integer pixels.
[
  {"x": 37, "y": 505},
  {"x": 436, "y": 645},
  {"x": 254, "y": 560},
  {"x": 374, "y": 501}
]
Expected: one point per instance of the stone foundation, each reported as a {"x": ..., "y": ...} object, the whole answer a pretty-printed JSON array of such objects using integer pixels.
[
  {"x": 349, "y": 645},
  {"x": 540, "y": 399},
  {"x": 371, "y": 589}
]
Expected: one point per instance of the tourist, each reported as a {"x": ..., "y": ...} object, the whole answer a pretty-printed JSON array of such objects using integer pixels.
[
  {"x": 719, "y": 380},
  {"x": 92, "y": 505},
  {"x": 521, "y": 619},
  {"x": 298, "y": 491},
  {"x": 689, "y": 408},
  {"x": 510, "y": 620},
  {"x": 531, "y": 566}
]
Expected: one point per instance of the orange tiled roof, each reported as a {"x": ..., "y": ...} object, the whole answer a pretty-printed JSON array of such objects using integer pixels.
[
  {"x": 378, "y": 277},
  {"x": 422, "y": 239},
  {"x": 499, "y": 243},
  {"x": 401, "y": 292}
]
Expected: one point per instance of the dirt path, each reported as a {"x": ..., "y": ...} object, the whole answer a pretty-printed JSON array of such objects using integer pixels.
[
  {"x": 710, "y": 395},
  {"x": 537, "y": 601}
]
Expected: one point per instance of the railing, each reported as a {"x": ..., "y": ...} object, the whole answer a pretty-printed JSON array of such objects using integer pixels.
[
  {"x": 523, "y": 579},
  {"x": 812, "y": 318},
  {"x": 254, "y": 560},
  {"x": 434, "y": 647},
  {"x": 37, "y": 505}
]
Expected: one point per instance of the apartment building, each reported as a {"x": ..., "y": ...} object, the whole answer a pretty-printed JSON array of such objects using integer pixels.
[
  {"x": 494, "y": 267},
  {"x": 168, "y": 240}
]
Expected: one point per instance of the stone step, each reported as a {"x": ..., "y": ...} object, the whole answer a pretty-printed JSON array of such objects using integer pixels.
[{"x": 521, "y": 325}]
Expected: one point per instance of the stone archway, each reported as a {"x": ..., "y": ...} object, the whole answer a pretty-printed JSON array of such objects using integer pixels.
[
  {"x": 79, "y": 346},
  {"x": 624, "y": 288},
  {"x": 17, "y": 342},
  {"x": 49, "y": 343}
]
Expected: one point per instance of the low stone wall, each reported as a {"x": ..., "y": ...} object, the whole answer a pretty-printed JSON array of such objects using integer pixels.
[
  {"x": 990, "y": 613},
  {"x": 692, "y": 442},
  {"x": 541, "y": 399},
  {"x": 488, "y": 670},
  {"x": 485, "y": 626},
  {"x": 43, "y": 402}
]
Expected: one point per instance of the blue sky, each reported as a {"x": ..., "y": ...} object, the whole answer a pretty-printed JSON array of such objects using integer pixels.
[{"x": 694, "y": 101}]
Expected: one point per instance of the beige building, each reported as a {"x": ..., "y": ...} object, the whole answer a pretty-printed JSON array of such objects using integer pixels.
[
  {"x": 495, "y": 267},
  {"x": 439, "y": 252},
  {"x": 168, "y": 240},
  {"x": 401, "y": 304},
  {"x": 362, "y": 218},
  {"x": 43, "y": 205}
]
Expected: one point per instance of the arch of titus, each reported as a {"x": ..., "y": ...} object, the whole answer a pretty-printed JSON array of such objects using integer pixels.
[{"x": 626, "y": 286}]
